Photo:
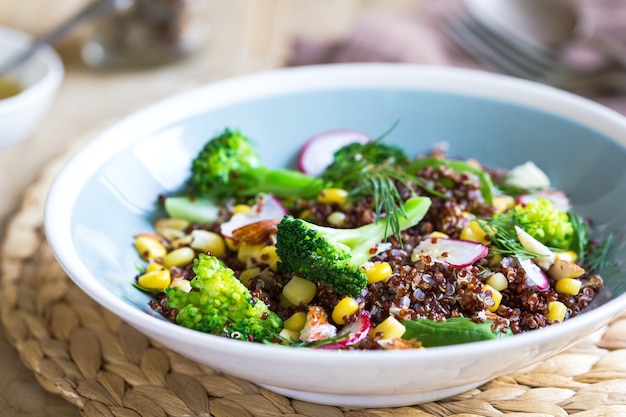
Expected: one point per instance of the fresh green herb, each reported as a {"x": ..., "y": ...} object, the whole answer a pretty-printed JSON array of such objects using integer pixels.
[
  {"x": 453, "y": 331},
  {"x": 597, "y": 259},
  {"x": 501, "y": 232},
  {"x": 580, "y": 239},
  {"x": 313, "y": 344}
]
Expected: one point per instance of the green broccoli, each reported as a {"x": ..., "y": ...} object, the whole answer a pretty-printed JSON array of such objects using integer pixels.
[
  {"x": 220, "y": 304},
  {"x": 545, "y": 222},
  {"x": 228, "y": 166},
  {"x": 334, "y": 256}
]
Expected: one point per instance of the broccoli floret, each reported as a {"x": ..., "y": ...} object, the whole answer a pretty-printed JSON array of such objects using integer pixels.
[
  {"x": 545, "y": 222},
  {"x": 228, "y": 166},
  {"x": 220, "y": 304},
  {"x": 334, "y": 256}
]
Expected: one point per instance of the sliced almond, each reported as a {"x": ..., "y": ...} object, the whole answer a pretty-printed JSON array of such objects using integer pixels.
[
  {"x": 255, "y": 233},
  {"x": 565, "y": 269}
]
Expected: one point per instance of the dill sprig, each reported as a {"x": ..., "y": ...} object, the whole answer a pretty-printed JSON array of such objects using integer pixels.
[
  {"x": 597, "y": 259},
  {"x": 580, "y": 241},
  {"x": 501, "y": 232}
]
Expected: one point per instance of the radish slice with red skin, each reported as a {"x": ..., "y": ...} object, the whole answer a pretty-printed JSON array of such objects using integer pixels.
[
  {"x": 317, "y": 153},
  {"x": 356, "y": 331},
  {"x": 453, "y": 252},
  {"x": 267, "y": 208},
  {"x": 535, "y": 274}
]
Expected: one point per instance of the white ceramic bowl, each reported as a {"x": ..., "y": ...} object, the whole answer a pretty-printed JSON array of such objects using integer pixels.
[
  {"x": 40, "y": 76},
  {"x": 107, "y": 192}
]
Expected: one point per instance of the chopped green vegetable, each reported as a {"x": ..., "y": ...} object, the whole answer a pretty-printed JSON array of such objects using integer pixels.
[
  {"x": 229, "y": 166},
  {"x": 200, "y": 210},
  {"x": 545, "y": 222},
  {"x": 220, "y": 304},
  {"x": 334, "y": 256},
  {"x": 453, "y": 331}
]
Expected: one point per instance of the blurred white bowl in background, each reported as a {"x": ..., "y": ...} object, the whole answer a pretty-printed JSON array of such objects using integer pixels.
[{"x": 40, "y": 78}]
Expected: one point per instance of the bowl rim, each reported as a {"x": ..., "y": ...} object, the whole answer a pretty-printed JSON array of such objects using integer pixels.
[
  {"x": 71, "y": 178},
  {"x": 49, "y": 82}
]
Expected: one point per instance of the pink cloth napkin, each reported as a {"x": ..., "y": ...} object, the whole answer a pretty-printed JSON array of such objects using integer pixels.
[{"x": 380, "y": 35}]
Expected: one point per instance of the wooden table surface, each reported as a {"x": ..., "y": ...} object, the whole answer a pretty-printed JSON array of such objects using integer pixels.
[{"x": 245, "y": 36}]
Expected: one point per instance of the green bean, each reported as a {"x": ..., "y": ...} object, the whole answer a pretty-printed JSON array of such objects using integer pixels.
[{"x": 452, "y": 331}]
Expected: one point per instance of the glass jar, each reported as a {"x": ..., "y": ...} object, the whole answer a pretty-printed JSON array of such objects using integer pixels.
[{"x": 149, "y": 32}]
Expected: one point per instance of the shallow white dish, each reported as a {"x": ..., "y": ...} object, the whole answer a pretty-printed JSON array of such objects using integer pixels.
[
  {"x": 107, "y": 192},
  {"x": 40, "y": 77}
]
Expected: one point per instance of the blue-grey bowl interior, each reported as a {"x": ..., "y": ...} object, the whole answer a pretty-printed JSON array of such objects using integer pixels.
[{"x": 118, "y": 202}]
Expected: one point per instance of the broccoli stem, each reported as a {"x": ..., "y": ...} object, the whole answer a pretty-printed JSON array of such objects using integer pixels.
[{"x": 283, "y": 183}]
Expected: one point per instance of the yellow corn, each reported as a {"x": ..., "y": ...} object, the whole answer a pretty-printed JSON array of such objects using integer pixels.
[
  {"x": 299, "y": 290},
  {"x": 232, "y": 244},
  {"x": 498, "y": 281},
  {"x": 437, "y": 234},
  {"x": 247, "y": 274},
  {"x": 149, "y": 248},
  {"x": 296, "y": 321},
  {"x": 567, "y": 255},
  {"x": 306, "y": 214},
  {"x": 206, "y": 241},
  {"x": 242, "y": 209},
  {"x": 378, "y": 272},
  {"x": 390, "y": 328},
  {"x": 496, "y": 296},
  {"x": 345, "y": 307},
  {"x": 181, "y": 284},
  {"x": 155, "y": 280},
  {"x": 474, "y": 233},
  {"x": 556, "y": 311},
  {"x": 503, "y": 203},
  {"x": 171, "y": 228},
  {"x": 179, "y": 257},
  {"x": 332, "y": 196},
  {"x": 249, "y": 252},
  {"x": 289, "y": 334},
  {"x": 154, "y": 266},
  {"x": 269, "y": 256},
  {"x": 569, "y": 286},
  {"x": 337, "y": 218}
]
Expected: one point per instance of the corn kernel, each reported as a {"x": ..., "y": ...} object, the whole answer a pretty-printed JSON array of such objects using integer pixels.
[
  {"x": 289, "y": 334},
  {"x": 378, "y": 272},
  {"x": 171, "y": 228},
  {"x": 154, "y": 266},
  {"x": 390, "y": 328},
  {"x": 269, "y": 256},
  {"x": 247, "y": 274},
  {"x": 437, "y": 234},
  {"x": 149, "y": 248},
  {"x": 232, "y": 244},
  {"x": 296, "y": 321},
  {"x": 503, "y": 203},
  {"x": 299, "y": 290},
  {"x": 332, "y": 196},
  {"x": 567, "y": 255},
  {"x": 496, "y": 296},
  {"x": 242, "y": 209},
  {"x": 249, "y": 252},
  {"x": 179, "y": 257},
  {"x": 181, "y": 284},
  {"x": 556, "y": 311},
  {"x": 345, "y": 307},
  {"x": 498, "y": 281},
  {"x": 473, "y": 232},
  {"x": 569, "y": 286},
  {"x": 206, "y": 241},
  {"x": 155, "y": 280},
  {"x": 337, "y": 218}
]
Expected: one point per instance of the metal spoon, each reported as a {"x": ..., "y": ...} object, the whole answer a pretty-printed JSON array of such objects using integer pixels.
[
  {"x": 552, "y": 25},
  {"x": 97, "y": 8}
]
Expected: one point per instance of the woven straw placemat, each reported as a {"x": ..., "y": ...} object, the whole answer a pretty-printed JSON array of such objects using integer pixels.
[{"x": 106, "y": 368}]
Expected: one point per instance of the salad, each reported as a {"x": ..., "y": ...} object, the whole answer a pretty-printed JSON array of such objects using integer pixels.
[{"x": 365, "y": 247}]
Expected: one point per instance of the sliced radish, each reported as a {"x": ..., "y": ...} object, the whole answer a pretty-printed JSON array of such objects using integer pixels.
[
  {"x": 356, "y": 331},
  {"x": 317, "y": 153},
  {"x": 557, "y": 197},
  {"x": 266, "y": 208},
  {"x": 453, "y": 252},
  {"x": 535, "y": 274}
]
